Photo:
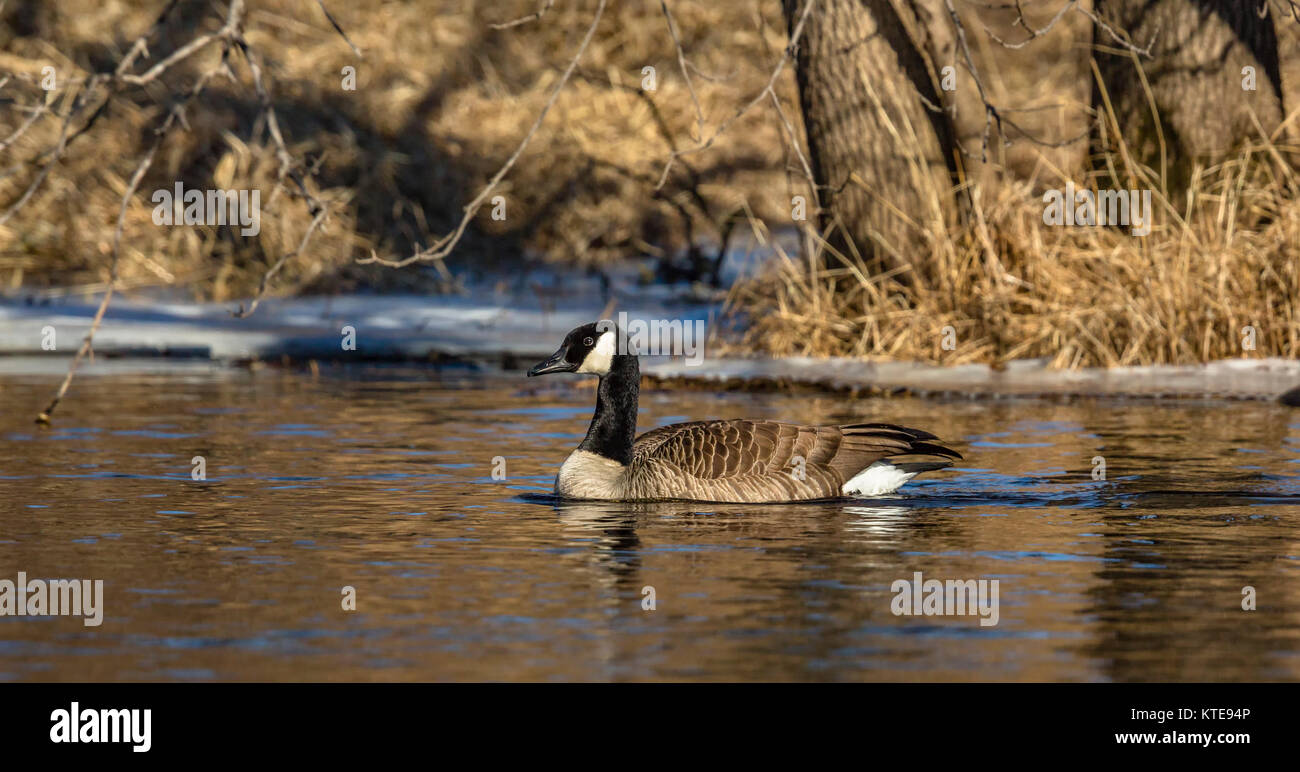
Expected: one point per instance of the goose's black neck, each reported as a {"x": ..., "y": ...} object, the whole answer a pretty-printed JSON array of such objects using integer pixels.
[{"x": 613, "y": 427}]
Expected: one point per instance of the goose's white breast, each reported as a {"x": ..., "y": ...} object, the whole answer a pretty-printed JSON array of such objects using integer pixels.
[{"x": 585, "y": 475}]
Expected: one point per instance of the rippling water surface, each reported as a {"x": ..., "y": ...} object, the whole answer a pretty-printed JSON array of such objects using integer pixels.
[{"x": 383, "y": 480}]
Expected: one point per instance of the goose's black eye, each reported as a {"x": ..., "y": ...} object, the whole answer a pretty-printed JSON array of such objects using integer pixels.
[{"x": 587, "y": 341}]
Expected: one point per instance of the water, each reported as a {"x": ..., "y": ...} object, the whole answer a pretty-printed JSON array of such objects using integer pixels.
[{"x": 382, "y": 480}]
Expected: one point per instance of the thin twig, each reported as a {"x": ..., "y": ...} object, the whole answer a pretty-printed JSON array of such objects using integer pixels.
[
  {"x": 318, "y": 210},
  {"x": 535, "y": 15},
  {"x": 274, "y": 269},
  {"x": 681, "y": 62},
  {"x": 339, "y": 29},
  {"x": 770, "y": 87},
  {"x": 1115, "y": 36},
  {"x": 443, "y": 246},
  {"x": 794, "y": 143},
  {"x": 27, "y": 124}
]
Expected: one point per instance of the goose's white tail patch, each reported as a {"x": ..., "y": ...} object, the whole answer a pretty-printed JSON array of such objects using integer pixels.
[{"x": 879, "y": 479}]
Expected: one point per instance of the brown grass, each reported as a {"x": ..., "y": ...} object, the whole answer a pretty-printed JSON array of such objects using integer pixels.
[
  {"x": 1012, "y": 287},
  {"x": 441, "y": 101}
]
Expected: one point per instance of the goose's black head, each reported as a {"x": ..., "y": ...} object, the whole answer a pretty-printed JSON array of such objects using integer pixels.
[{"x": 590, "y": 348}]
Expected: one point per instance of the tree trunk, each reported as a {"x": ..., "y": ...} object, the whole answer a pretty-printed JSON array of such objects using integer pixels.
[
  {"x": 884, "y": 162},
  {"x": 1198, "y": 51}
]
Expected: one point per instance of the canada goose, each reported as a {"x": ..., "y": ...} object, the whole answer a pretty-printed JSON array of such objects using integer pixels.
[{"x": 739, "y": 460}]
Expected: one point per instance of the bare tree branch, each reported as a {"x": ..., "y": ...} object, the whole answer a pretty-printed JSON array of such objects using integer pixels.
[
  {"x": 230, "y": 36},
  {"x": 993, "y": 113},
  {"x": 87, "y": 89},
  {"x": 1033, "y": 33},
  {"x": 174, "y": 115}
]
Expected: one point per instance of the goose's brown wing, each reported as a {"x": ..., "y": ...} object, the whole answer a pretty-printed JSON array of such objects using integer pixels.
[{"x": 753, "y": 460}]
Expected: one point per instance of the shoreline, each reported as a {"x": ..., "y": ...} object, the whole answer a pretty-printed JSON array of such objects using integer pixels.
[{"x": 507, "y": 331}]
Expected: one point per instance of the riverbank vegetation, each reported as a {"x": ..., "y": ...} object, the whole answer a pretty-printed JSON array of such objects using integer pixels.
[{"x": 375, "y": 130}]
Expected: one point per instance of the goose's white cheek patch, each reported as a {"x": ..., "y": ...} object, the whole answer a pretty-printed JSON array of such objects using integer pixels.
[
  {"x": 600, "y": 358},
  {"x": 879, "y": 479}
]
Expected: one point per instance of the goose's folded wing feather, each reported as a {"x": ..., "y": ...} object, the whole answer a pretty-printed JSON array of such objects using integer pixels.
[
  {"x": 718, "y": 449},
  {"x": 735, "y": 448}
]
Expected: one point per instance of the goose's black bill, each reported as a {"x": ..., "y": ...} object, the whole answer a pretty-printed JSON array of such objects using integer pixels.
[{"x": 556, "y": 364}]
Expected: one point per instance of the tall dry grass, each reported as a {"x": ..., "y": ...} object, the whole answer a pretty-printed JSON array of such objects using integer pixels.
[{"x": 1224, "y": 259}]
